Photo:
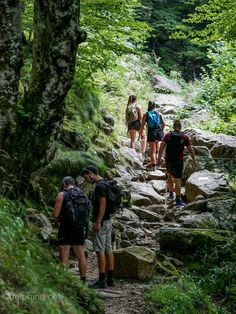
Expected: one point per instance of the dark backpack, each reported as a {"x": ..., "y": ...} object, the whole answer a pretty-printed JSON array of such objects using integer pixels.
[
  {"x": 114, "y": 196},
  {"x": 76, "y": 207},
  {"x": 174, "y": 146},
  {"x": 153, "y": 119}
]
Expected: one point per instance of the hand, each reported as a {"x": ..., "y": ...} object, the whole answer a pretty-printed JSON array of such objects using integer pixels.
[{"x": 97, "y": 227}]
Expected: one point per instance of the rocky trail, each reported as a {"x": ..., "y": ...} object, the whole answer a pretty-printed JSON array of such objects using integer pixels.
[{"x": 152, "y": 225}]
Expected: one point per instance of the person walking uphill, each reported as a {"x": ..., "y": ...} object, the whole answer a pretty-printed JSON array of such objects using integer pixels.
[
  {"x": 134, "y": 116},
  {"x": 102, "y": 227},
  {"x": 175, "y": 141},
  {"x": 70, "y": 233},
  {"x": 156, "y": 125}
]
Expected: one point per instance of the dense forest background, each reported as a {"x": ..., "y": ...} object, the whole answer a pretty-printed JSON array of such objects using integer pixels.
[{"x": 65, "y": 68}]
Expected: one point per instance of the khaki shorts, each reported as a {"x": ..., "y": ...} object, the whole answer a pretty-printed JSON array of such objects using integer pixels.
[{"x": 102, "y": 239}]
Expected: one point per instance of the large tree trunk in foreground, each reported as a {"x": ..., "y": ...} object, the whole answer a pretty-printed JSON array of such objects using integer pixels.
[{"x": 36, "y": 126}]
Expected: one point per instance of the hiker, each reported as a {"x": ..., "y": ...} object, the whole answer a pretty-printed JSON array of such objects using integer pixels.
[
  {"x": 102, "y": 227},
  {"x": 155, "y": 122},
  {"x": 133, "y": 119},
  {"x": 175, "y": 141},
  {"x": 69, "y": 236}
]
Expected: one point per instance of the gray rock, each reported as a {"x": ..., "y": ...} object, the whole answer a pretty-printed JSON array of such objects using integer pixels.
[
  {"x": 224, "y": 212},
  {"x": 127, "y": 215},
  {"x": 145, "y": 190},
  {"x": 220, "y": 145},
  {"x": 135, "y": 262},
  {"x": 201, "y": 221},
  {"x": 156, "y": 175},
  {"x": 147, "y": 215},
  {"x": 163, "y": 84},
  {"x": 158, "y": 186},
  {"x": 42, "y": 223},
  {"x": 186, "y": 240},
  {"x": 140, "y": 200},
  {"x": 205, "y": 183}
]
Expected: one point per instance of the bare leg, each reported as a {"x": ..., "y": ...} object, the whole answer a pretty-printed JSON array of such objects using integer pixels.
[
  {"x": 64, "y": 254},
  {"x": 109, "y": 260},
  {"x": 82, "y": 261},
  {"x": 143, "y": 144},
  {"x": 177, "y": 186},
  {"x": 133, "y": 134},
  {"x": 101, "y": 262},
  {"x": 152, "y": 146},
  {"x": 170, "y": 183}
]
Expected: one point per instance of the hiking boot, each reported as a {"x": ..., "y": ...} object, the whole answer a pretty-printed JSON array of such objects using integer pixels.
[
  {"x": 98, "y": 284},
  {"x": 179, "y": 203},
  {"x": 110, "y": 282}
]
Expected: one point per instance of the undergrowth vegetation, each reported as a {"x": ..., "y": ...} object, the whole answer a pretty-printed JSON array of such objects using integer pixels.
[
  {"x": 207, "y": 285},
  {"x": 31, "y": 279}
]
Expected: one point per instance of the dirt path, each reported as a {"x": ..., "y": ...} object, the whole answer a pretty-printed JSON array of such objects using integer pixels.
[{"x": 125, "y": 298}]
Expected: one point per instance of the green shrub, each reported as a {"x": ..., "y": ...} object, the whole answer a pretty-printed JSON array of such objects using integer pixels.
[
  {"x": 178, "y": 298},
  {"x": 31, "y": 280}
]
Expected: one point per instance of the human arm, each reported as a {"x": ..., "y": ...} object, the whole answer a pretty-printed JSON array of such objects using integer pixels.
[
  {"x": 143, "y": 124},
  {"x": 162, "y": 146},
  {"x": 58, "y": 206},
  {"x": 162, "y": 121},
  {"x": 101, "y": 212},
  {"x": 140, "y": 113}
]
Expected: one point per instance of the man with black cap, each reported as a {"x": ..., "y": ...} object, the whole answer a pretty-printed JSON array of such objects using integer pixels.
[
  {"x": 69, "y": 236},
  {"x": 102, "y": 227}
]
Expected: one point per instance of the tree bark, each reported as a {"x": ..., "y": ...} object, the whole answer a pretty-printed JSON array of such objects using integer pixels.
[{"x": 37, "y": 125}]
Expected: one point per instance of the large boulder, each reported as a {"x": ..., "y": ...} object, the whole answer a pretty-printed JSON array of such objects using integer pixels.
[
  {"x": 146, "y": 190},
  {"x": 135, "y": 262},
  {"x": 220, "y": 145},
  {"x": 201, "y": 221},
  {"x": 204, "y": 160},
  {"x": 205, "y": 183},
  {"x": 187, "y": 240}
]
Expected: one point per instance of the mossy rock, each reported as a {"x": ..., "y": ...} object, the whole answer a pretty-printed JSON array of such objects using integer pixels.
[{"x": 186, "y": 240}]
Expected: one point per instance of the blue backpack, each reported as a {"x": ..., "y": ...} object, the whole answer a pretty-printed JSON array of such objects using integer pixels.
[{"x": 153, "y": 119}]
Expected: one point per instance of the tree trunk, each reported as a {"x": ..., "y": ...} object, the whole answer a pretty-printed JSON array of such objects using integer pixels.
[{"x": 37, "y": 127}]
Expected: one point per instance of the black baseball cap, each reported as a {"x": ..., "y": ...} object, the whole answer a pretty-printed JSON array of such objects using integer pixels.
[
  {"x": 68, "y": 180},
  {"x": 88, "y": 169}
]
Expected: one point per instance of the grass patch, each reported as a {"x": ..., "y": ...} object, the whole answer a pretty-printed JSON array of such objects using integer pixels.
[{"x": 31, "y": 279}]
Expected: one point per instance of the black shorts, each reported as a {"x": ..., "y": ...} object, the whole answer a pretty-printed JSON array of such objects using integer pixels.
[
  {"x": 134, "y": 125},
  {"x": 175, "y": 168},
  {"x": 71, "y": 236},
  {"x": 154, "y": 135}
]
